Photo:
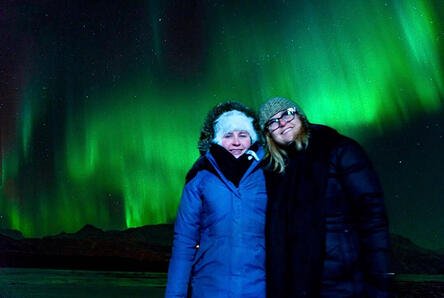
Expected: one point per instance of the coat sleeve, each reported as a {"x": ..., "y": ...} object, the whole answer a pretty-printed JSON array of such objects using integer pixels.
[
  {"x": 362, "y": 185},
  {"x": 186, "y": 237}
]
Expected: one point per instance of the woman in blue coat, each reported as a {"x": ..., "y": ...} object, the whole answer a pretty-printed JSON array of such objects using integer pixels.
[{"x": 219, "y": 246}]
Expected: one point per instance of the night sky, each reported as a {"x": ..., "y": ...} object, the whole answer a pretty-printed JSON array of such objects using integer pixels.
[{"x": 101, "y": 102}]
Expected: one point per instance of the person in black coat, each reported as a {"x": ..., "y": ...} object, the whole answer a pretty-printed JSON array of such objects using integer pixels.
[{"x": 326, "y": 230}]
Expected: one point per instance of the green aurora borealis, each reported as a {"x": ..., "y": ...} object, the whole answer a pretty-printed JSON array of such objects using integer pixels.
[{"x": 102, "y": 108}]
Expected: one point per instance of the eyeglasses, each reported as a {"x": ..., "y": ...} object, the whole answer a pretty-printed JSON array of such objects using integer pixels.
[{"x": 286, "y": 117}]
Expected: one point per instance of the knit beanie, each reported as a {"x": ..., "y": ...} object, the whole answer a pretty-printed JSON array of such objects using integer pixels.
[
  {"x": 231, "y": 121},
  {"x": 274, "y": 106}
]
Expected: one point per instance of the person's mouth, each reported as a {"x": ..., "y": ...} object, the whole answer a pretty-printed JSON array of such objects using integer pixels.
[
  {"x": 236, "y": 151},
  {"x": 286, "y": 130}
]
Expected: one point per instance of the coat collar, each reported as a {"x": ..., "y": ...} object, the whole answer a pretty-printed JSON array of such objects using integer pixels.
[{"x": 256, "y": 163}]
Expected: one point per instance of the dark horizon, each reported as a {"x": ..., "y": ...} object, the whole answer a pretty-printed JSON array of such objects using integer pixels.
[{"x": 148, "y": 248}]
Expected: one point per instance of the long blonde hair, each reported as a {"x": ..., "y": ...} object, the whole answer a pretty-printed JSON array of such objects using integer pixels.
[{"x": 277, "y": 155}]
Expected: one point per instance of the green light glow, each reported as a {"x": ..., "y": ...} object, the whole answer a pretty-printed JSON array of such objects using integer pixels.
[
  {"x": 27, "y": 121},
  {"x": 120, "y": 155},
  {"x": 132, "y": 148},
  {"x": 418, "y": 25},
  {"x": 348, "y": 64}
]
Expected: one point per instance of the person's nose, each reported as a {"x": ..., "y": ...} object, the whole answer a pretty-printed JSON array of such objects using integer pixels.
[
  {"x": 236, "y": 141},
  {"x": 282, "y": 122}
]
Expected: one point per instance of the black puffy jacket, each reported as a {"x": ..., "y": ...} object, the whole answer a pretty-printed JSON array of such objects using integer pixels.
[{"x": 327, "y": 230}]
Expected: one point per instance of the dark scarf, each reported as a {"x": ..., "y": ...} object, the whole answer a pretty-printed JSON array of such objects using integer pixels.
[
  {"x": 295, "y": 219},
  {"x": 232, "y": 168}
]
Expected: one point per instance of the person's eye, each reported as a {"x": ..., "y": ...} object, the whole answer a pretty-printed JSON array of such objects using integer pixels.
[{"x": 228, "y": 135}]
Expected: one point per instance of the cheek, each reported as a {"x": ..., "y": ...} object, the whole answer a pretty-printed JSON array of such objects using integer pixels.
[
  {"x": 297, "y": 129},
  {"x": 297, "y": 123},
  {"x": 246, "y": 143},
  {"x": 226, "y": 143}
]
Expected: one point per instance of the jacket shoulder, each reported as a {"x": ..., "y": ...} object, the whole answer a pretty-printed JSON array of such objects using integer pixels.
[
  {"x": 328, "y": 137},
  {"x": 349, "y": 155},
  {"x": 202, "y": 163}
]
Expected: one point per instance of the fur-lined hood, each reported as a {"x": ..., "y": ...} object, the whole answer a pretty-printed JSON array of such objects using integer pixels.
[{"x": 207, "y": 131}]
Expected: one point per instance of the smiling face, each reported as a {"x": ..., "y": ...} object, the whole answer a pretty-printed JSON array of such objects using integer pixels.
[
  {"x": 286, "y": 133},
  {"x": 236, "y": 142}
]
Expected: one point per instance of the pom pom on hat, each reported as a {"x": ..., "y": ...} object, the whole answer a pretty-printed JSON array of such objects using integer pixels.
[{"x": 231, "y": 121}]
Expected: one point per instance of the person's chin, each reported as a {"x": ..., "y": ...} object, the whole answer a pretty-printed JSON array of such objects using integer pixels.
[
  {"x": 236, "y": 154},
  {"x": 286, "y": 140}
]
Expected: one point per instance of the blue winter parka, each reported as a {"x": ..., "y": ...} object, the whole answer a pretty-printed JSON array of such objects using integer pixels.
[{"x": 219, "y": 235}]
